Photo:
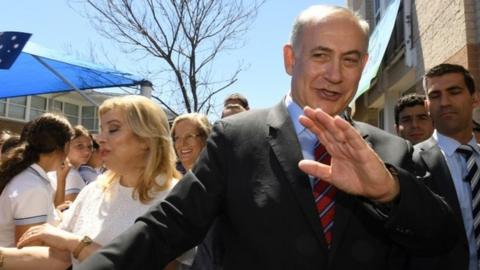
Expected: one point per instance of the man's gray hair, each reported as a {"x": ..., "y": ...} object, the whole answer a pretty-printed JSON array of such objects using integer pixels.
[{"x": 318, "y": 12}]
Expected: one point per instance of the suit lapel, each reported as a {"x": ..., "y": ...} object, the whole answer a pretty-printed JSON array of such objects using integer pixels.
[
  {"x": 435, "y": 161},
  {"x": 343, "y": 208},
  {"x": 285, "y": 146}
]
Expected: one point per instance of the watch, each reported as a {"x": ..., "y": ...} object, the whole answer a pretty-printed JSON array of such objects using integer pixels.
[{"x": 86, "y": 241}]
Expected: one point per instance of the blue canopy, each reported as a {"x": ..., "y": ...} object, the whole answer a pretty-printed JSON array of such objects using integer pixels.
[{"x": 39, "y": 71}]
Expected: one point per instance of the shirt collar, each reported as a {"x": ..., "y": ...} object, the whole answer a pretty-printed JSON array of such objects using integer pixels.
[
  {"x": 295, "y": 111},
  {"x": 450, "y": 145},
  {"x": 41, "y": 172}
]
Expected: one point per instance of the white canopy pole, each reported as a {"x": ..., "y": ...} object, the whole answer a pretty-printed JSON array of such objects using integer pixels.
[{"x": 146, "y": 88}]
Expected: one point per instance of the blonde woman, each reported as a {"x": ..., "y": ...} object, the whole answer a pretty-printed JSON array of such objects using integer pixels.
[
  {"x": 189, "y": 134},
  {"x": 136, "y": 148}
]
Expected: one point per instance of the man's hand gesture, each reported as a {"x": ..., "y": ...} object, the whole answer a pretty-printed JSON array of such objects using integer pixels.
[{"x": 355, "y": 168}]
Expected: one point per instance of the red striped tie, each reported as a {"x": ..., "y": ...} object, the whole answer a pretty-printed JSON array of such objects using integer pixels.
[{"x": 324, "y": 194}]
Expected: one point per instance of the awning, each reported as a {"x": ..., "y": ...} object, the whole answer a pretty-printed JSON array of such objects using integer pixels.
[
  {"x": 377, "y": 46},
  {"x": 39, "y": 71}
]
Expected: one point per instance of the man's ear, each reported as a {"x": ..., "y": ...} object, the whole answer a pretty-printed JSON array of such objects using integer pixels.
[
  {"x": 288, "y": 58},
  {"x": 426, "y": 104},
  {"x": 396, "y": 129},
  {"x": 476, "y": 99},
  {"x": 364, "y": 60}
]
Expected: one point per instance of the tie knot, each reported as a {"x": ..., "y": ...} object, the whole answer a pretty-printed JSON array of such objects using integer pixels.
[{"x": 465, "y": 150}]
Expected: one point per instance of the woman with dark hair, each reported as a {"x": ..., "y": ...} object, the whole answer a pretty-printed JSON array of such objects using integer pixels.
[{"x": 26, "y": 197}]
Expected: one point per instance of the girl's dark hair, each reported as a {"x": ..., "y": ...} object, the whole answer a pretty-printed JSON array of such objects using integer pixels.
[
  {"x": 95, "y": 144},
  {"x": 4, "y": 135},
  {"x": 79, "y": 131},
  {"x": 10, "y": 143},
  {"x": 43, "y": 135}
]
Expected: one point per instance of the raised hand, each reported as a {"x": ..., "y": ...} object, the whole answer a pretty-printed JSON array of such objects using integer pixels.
[
  {"x": 355, "y": 168},
  {"x": 63, "y": 169}
]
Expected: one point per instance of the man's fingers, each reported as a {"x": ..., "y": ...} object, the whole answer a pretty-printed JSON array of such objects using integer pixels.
[
  {"x": 315, "y": 169},
  {"x": 354, "y": 138},
  {"x": 314, "y": 127}
]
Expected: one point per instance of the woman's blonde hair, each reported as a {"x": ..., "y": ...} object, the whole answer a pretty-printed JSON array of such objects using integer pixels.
[
  {"x": 200, "y": 120},
  {"x": 148, "y": 122}
]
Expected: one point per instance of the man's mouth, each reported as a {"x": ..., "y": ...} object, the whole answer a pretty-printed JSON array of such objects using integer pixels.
[{"x": 328, "y": 94}]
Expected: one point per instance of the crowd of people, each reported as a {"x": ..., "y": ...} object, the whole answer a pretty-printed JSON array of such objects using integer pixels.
[
  {"x": 60, "y": 183},
  {"x": 297, "y": 186}
]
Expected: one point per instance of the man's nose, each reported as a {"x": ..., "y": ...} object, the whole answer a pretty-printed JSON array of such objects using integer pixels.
[
  {"x": 444, "y": 100},
  {"x": 333, "y": 71},
  {"x": 415, "y": 122}
]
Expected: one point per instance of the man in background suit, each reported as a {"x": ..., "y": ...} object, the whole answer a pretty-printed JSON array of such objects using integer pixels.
[
  {"x": 451, "y": 97},
  {"x": 412, "y": 121},
  {"x": 249, "y": 176}
]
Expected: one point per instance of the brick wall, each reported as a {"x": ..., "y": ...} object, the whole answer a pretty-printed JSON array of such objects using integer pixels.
[
  {"x": 477, "y": 14},
  {"x": 439, "y": 30},
  {"x": 473, "y": 51}
]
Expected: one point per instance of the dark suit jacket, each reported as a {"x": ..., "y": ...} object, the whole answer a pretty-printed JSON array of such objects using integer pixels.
[
  {"x": 248, "y": 177},
  {"x": 430, "y": 161}
]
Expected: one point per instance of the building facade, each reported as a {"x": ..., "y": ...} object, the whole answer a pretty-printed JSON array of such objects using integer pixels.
[
  {"x": 15, "y": 112},
  {"x": 426, "y": 33},
  {"x": 79, "y": 109}
]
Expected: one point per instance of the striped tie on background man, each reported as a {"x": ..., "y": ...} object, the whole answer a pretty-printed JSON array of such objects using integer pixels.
[{"x": 473, "y": 175}]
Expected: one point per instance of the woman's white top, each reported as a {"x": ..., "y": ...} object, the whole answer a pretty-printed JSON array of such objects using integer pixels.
[
  {"x": 27, "y": 199},
  {"x": 74, "y": 181},
  {"x": 104, "y": 215}
]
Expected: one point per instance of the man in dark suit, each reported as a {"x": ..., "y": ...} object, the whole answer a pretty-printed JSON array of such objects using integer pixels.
[
  {"x": 412, "y": 121},
  {"x": 451, "y": 97},
  {"x": 249, "y": 176}
]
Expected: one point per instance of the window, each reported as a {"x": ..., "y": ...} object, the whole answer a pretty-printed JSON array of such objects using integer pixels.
[
  {"x": 377, "y": 11},
  {"x": 56, "y": 106},
  {"x": 89, "y": 118},
  {"x": 397, "y": 40},
  {"x": 3, "y": 106},
  {"x": 381, "y": 119},
  {"x": 71, "y": 112},
  {"x": 38, "y": 106},
  {"x": 17, "y": 107}
]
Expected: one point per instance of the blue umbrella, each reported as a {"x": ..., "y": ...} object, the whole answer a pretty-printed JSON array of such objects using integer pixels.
[{"x": 39, "y": 71}]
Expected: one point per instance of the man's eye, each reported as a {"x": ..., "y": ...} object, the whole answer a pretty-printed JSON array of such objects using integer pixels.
[
  {"x": 351, "y": 60},
  {"x": 320, "y": 55},
  {"x": 456, "y": 91}
]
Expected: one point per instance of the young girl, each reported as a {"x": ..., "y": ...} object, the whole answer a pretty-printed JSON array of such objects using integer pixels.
[
  {"x": 66, "y": 180},
  {"x": 26, "y": 197}
]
